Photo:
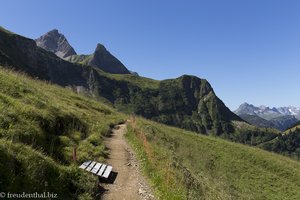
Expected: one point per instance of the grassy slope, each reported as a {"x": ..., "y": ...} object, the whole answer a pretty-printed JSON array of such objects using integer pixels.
[
  {"x": 81, "y": 59},
  {"x": 143, "y": 82},
  {"x": 7, "y": 31},
  {"x": 182, "y": 165},
  {"x": 293, "y": 128},
  {"x": 39, "y": 126}
]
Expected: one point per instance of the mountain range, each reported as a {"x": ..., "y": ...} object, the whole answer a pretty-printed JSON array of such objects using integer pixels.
[
  {"x": 263, "y": 116},
  {"x": 267, "y": 112},
  {"x": 187, "y": 102}
]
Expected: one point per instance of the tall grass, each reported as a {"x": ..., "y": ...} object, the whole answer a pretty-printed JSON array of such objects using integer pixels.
[
  {"x": 40, "y": 125},
  {"x": 183, "y": 165}
]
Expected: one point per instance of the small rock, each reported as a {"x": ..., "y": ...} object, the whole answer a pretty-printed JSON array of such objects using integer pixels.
[{"x": 142, "y": 192}]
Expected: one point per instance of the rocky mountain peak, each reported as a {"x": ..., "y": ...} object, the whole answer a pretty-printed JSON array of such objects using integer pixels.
[
  {"x": 263, "y": 107},
  {"x": 104, "y": 60},
  {"x": 57, "y": 43},
  {"x": 100, "y": 48},
  {"x": 245, "y": 105},
  {"x": 54, "y": 32},
  {"x": 246, "y": 108}
]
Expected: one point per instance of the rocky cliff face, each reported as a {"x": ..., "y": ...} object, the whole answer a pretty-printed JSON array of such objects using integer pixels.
[
  {"x": 187, "y": 102},
  {"x": 104, "y": 60},
  {"x": 284, "y": 122},
  {"x": 57, "y": 43}
]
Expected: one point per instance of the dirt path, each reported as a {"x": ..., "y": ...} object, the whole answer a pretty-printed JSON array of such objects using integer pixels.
[{"x": 129, "y": 183}]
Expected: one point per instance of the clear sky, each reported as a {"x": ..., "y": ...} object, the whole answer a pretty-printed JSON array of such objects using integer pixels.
[{"x": 249, "y": 50}]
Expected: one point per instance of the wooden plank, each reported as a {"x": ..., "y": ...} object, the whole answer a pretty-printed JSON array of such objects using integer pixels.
[
  {"x": 101, "y": 170},
  {"x": 85, "y": 164},
  {"x": 96, "y": 168},
  {"x": 90, "y": 167},
  {"x": 107, "y": 171}
]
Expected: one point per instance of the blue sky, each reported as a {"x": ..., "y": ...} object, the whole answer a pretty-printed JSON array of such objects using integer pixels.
[{"x": 249, "y": 50}]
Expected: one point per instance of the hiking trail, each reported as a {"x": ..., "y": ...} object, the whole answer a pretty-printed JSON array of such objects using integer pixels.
[{"x": 129, "y": 183}]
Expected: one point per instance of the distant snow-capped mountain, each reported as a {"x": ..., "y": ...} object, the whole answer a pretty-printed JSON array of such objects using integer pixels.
[
  {"x": 267, "y": 112},
  {"x": 280, "y": 118},
  {"x": 291, "y": 110}
]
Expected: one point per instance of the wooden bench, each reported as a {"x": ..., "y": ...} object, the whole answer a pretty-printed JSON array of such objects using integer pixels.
[{"x": 96, "y": 168}]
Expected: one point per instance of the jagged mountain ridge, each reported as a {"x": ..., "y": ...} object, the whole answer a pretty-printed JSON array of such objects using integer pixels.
[
  {"x": 57, "y": 43},
  {"x": 186, "y": 102},
  {"x": 267, "y": 112},
  {"x": 290, "y": 110},
  {"x": 280, "y": 118}
]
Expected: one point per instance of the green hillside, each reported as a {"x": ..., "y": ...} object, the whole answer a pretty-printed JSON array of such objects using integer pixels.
[
  {"x": 287, "y": 143},
  {"x": 39, "y": 125},
  {"x": 183, "y": 165}
]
